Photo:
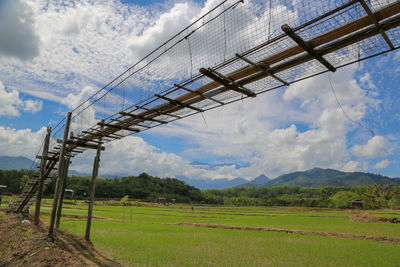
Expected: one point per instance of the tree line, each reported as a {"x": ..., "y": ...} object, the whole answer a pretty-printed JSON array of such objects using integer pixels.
[
  {"x": 373, "y": 196},
  {"x": 147, "y": 188}
]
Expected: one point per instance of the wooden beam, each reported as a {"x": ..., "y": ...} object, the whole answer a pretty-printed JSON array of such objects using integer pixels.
[
  {"x": 199, "y": 94},
  {"x": 158, "y": 112},
  {"x": 262, "y": 67},
  {"x": 178, "y": 103},
  {"x": 307, "y": 47},
  {"x": 376, "y": 22},
  {"x": 329, "y": 48},
  {"x": 79, "y": 139},
  {"x": 119, "y": 127},
  {"x": 126, "y": 114},
  {"x": 79, "y": 144},
  {"x": 227, "y": 82}
]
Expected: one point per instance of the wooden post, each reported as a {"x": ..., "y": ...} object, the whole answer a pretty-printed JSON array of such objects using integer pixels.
[
  {"x": 63, "y": 185},
  {"x": 95, "y": 172},
  {"x": 60, "y": 175},
  {"x": 41, "y": 176}
]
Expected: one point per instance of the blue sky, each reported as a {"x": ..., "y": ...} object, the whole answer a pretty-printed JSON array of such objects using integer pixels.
[{"x": 53, "y": 56}]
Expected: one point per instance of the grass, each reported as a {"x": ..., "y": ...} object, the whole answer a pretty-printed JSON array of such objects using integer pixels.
[
  {"x": 136, "y": 244},
  {"x": 152, "y": 239},
  {"x": 284, "y": 220}
]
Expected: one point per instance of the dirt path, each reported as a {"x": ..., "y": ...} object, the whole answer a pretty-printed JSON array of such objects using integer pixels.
[{"x": 27, "y": 245}]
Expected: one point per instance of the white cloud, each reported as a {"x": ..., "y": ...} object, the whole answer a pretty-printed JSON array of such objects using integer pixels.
[
  {"x": 11, "y": 104},
  {"x": 33, "y": 106},
  {"x": 381, "y": 164},
  {"x": 376, "y": 147},
  {"x": 73, "y": 100},
  {"x": 351, "y": 166},
  {"x": 137, "y": 156},
  {"x": 24, "y": 142},
  {"x": 18, "y": 37},
  {"x": 168, "y": 24}
]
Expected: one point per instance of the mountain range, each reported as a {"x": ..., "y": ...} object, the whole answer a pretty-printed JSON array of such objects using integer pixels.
[
  {"x": 318, "y": 177},
  {"x": 315, "y": 177}
]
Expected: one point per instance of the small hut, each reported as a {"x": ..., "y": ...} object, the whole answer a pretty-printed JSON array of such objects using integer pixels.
[
  {"x": 357, "y": 204},
  {"x": 69, "y": 193},
  {"x": 162, "y": 200}
]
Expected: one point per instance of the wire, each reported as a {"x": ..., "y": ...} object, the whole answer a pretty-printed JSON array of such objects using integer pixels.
[
  {"x": 224, "y": 33},
  {"x": 270, "y": 17},
  {"x": 344, "y": 112},
  {"x": 204, "y": 119},
  {"x": 191, "y": 57}
]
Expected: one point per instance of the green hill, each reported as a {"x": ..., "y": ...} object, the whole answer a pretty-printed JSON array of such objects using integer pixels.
[
  {"x": 318, "y": 177},
  {"x": 15, "y": 163}
]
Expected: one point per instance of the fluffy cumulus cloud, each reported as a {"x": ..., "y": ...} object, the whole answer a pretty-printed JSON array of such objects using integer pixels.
[
  {"x": 351, "y": 166},
  {"x": 381, "y": 164},
  {"x": 24, "y": 142},
  {"x": 168, "y": 24},
  {"x": 11, "y": 104},
  {"x": 133, "y": 155},
  {"x": 376, "y": 147}
]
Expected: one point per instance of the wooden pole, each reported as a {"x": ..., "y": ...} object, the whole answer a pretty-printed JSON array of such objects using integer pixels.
[
  {"x": 64, "y": 184},
  {"x": 95, "y": 172},
  {"x": 41, "y": 176},
  {"x": 60, "y": 175}
]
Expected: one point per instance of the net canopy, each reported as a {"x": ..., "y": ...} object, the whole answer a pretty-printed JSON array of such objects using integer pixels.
[{"x": 236, "y": 50}]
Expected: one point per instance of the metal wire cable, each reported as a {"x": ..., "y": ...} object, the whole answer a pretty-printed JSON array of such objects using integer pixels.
[{"x": 344, "y": 112}]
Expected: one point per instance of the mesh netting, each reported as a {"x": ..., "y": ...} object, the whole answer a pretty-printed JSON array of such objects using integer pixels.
[{"x": 166, "y": 85}]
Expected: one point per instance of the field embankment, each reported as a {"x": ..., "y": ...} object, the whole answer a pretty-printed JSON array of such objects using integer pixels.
[{"x": 23, "y": 244}]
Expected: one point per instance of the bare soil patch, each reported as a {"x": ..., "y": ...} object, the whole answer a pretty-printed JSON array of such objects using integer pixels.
[
  {"x": 27, "y": 245},
  {"x": 361, "y": 216}
]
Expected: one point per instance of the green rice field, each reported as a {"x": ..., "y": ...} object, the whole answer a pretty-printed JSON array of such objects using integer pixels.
[{"x": 174, "y": 235}]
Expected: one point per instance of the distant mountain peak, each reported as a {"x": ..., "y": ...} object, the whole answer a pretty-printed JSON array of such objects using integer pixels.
[
  {"x": 261, "y": 179},
  {"x": 15, "y": 163}
]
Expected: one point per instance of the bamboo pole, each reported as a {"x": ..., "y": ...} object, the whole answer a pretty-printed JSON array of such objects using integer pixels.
[
  {"x": 64, "y": 184},
  {"x": 60, "y": 175},
  {"x": 95, "y": 172},
  {"x": 41, "y": 176}
]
